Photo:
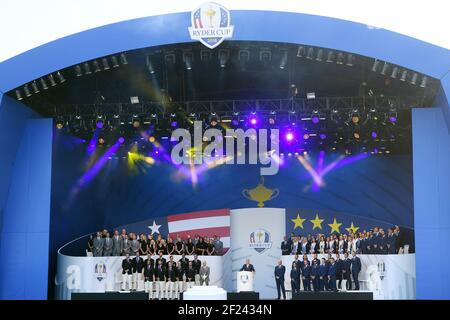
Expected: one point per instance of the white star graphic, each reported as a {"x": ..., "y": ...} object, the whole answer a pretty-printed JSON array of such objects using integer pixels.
[{"x": 155, "y": 227}]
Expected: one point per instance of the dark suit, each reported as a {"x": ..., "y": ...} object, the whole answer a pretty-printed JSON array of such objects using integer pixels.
[
  {"x": 190, "y": 274},
  {"x": 279, "y": 278},
  {"x": 295, "y": 280},
  {"x": 339, "y": 268},
  {"x": 346, "y": 273},
  {"x": 149, "y": 272},
  {"x": 152, "y": 262},
  {"x": 323, "y": 277},
  {"x": 356, "y": 269},
  {"x": 332, "y": 277},
  {"x": 137, "y": 264},
  {"x": 127, "y": 266},
  {"x": 285, "y": 248},
  {"x": 306, "y": 277},
  {"x": 196, "y": 265},
  {"x": 315, "y": 276},
  {"x": 163, "y": 262},
  {"x": 248, "y": 267}
]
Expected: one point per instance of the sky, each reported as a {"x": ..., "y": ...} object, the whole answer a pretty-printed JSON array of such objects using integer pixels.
[{"x": 26, "y": 24}]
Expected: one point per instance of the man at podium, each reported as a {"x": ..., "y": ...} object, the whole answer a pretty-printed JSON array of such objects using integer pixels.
[{"x": 247, "y": 266}]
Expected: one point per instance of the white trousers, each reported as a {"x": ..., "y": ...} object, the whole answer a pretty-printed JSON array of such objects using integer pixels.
[
  {"x": 160, "y": 287},
  {"x": 189, "y": 285},
  {"x": 179, "y": 287},
  {"x": 169, "y": 289},
  {"x": 126, "y": 278},
  {"x": 197, "y": 279},
  {"x": 149, "y": 288}
]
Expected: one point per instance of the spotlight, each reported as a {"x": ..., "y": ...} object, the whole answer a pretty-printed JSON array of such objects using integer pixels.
[
  {"x": 310, "y": 55},
  {"x": 253, "y": 120},
  {"x": 322, "y": 135},
  {"x": 18, "y": 95},
  {"x": 123, "y": 58},
  {"x": 223, "y": 58},
  {"x": 136, "y": 122},
  {"x": 340, "y": 58},
  {"x": 319, "y": 55},
  {"x": 289, "y": 136},
  {"x": 87, "y": 68},
  {"x": 423, "y": 84},
  {"x": 414, "y": 79},
  {"x": 356, "y": 135},
  {"x": 121, "y": 140},
  {"x": 44, "y": 84},
  {"x": 152, "y": 139},
  {"x": 35, "y": 87},
  {"x": 404, "y": 75},
  {"x": 149, "y": 64},
  {"x": 99, "y": 123},
  {"x": 114, "y": 61},
  {"x": 306, "y": 136},
  {"x": 384, "y": 69},
  {"x": 315, "y": 119},
  {"x": 330, "y": 57},
  {"x": 301, "y": 52},
  {"x": 355, "y": 117},
  {"x": 101, "y": 140},
  {"x": 27, "y": 90},
  {"x": 187, "y": 58},
  {"x": 52, "y": 80},
  {"x": 374, "y": 134},
  {"x": 173, "y": 120},
  {"x": 105, "y": 64},
  {"x": 394, "y": 72},
  {"x": 392, "y": 116},
  {"x": 350, "y": 59},
  {"x": 78, "y": 71},
  {"x": 375, "y": 65},
  {"x": 60, "y": 77},
  {"x": 96, "y": 66},
  {"x": 59, "y": 123}
]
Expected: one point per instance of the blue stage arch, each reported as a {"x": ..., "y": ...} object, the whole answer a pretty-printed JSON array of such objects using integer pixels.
[{"x": 277, "y": 27}]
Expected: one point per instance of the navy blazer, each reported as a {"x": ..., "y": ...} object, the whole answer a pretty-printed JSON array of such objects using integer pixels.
[
  {"x": 279, "y": 272},
  {"x": 332, "y": 270},
  {"x": 295, "y": 274},
  {"x": 356, "y": 265}
]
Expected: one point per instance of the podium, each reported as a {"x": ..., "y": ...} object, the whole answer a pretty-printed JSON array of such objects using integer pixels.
[{"x": 244, "y": 281}]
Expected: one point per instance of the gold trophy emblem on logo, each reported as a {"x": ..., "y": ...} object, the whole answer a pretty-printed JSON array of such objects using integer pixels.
[
  {"x": 260, "y": 193},
  {"x": 210, "y": 14}
]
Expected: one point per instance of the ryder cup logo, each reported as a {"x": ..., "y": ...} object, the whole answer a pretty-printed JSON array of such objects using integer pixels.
[
  {"x": 210, "y": 24},
  {"x": 260, "y": 240},
  {"x": 100, "y": 271},
  {"x": 244, "y": 278}
]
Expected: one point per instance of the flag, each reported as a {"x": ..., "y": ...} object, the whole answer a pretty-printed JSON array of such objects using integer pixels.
[{"x": 204, "y": 223}]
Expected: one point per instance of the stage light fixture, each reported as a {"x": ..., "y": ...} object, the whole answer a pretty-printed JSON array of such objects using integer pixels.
[
  {"x": 35, "y": 87},
  {"x": 18, "y": 95},
  {"x": 99, "y": 122},
  {"x": 375, "y": 65},
  {"x": 121, "y": 140},
  {"x": 315, "y": 118},
  {"x": 305, "y": 136},
  {"x": 87, "y": 68},
  {"x": 350, "y": 59},
  {"x": 136, "y": 122},
  {"x": 385, "y": 68},
  {"x": 43, "y": 83},
  {"x": 289, "y": 136},
  {"x": 123, "y": 58},
  {"x": 284, "y": 56},
  {"x": 394, "y": 73},
  {"x": 414, "y": 79},
  {"x": 322, "y": 135},
  {"x": 114, "y": 61},
  {"x": 356, "y": 135},
  {"x": 188, "y": 58},
  {"x": 134, "y": 100},
  {"x": 423, "y": 84},
  {"x": 223, "y": 57},
  {"x": 330, "y": 57},
  {"x": 404, "y": 75},
  {"x": 105, "y": 64},
  {"x": 96, "y": 66},
  {"x": 340, "y": 58},
  {"x": 374, "y": 134},
  {"x": 27, "y": 91},
  {"x": 59, "y": 123},
  {"x": 78, "y": 71},
  {"x": 301, "y": 51},
  {"x": 310, "y": 54},
  {"x": 101, "y": 141},
  {"x": 393, "y": 116},
  {"x": 310, "y": 95},
  {"x": 60, "y": 77},
  {"x": 151, "y": 139},
  {"x": 319, "y": 56},
  {"x": 52, "y": 80}
]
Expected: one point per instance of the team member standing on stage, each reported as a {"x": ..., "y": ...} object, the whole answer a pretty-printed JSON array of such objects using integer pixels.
[
  {"x": 295, "y": 278},
  {"x": 180, "y": 284},
  {"x": 306, "y": 275},
  {"x": 196, "y": 264},
  {"x": 171, "y": 280},
  {"x": 108, "y": 246},
  {"x": 346, "y": 266},
  {"x": 204, "y": 274},
  {"x": 332, "y": 276},
  {"x": 135, "y": 245},
  {"x": 179, "y": 246},
  {"x": 218, "y": 245},
  {"x": 117, "y": 244},
  {"x": 149, "y": 277},
  {"x": 285, "y": 247},
  {"x": 323, "y": 275},
  {"x": 137, "y": 265},
  {"x": 189, "y": 276},
  {"x": 170, "y": 246},
  {"x": 126, "y": 245},
  {"x": 355, "y": 269},
  {"x": 98, "y": 244},
  {"x": 160, "y": 279},
  {"x": 189, "y": 247},
  {"x": 184, "y": 261},
  {"x": 160, "y": 258},
  {"x": 126, "y": 272},
  {"x": 247, "y": 266},
  {"x": 279, "y": 272},
  {"x": 143, "y": 250},
  {"x": 339, "y": 268},
  {"x": 315, "y": 274}
]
